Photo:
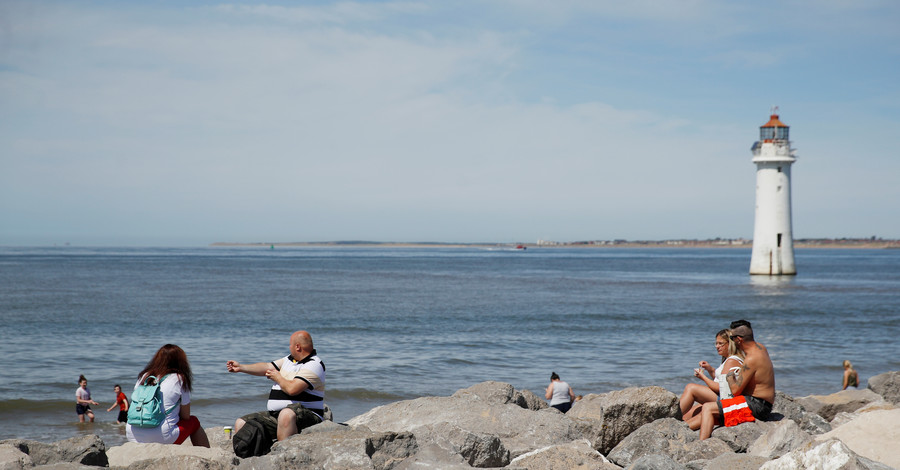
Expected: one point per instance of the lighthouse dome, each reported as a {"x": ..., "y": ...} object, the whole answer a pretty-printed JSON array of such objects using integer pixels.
[{"x": 773, "y": 130}]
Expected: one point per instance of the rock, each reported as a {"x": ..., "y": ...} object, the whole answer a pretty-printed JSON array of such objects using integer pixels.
[
  {"x": 669, "y": 437},
  {"x": 887, "y": 385},
  {"x": 430, "y": 457},
  {"x": 741, "y": 436},
  {"x": 827, "y": 406},
  {"x": 335, "y": 446},
  {"x": 781, "y": 438},
  {"x": 137, "y": 456},
  {"x": 477, "y": 411},
  {"x": 729, "y": 461},
  {"x": 607, "y": 419},
  {"x": 218, "y": 439},
  {"x": 11, "y": 458},
  {"x": 656, "y": 462},
  {"x": 85, "y": 449},
  {"x": 786, "y": 407},
  {"x": 493, "y": 393},
  {"x": 831, "y": 454},
  {"x": 528, "y": 400},
  {"x": 574, "y": 455},
  {"x": 874, "y": 435}
]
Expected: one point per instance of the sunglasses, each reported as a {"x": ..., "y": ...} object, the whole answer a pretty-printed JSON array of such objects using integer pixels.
[{"x": 736, "y": 336}]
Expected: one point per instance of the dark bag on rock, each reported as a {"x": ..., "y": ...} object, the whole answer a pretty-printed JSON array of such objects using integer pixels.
[{"x": 252, "y": 440}]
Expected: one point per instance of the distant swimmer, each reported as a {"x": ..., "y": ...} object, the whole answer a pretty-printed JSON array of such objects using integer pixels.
[
  {"x": 83, "y": 400},
  {"x": 851, "y": 378}
]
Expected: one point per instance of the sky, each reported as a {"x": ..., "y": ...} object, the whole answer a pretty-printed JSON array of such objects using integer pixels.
[{"x": 171, "y": 123}]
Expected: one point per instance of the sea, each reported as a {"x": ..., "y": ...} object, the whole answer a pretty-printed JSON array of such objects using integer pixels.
[{"x": 398, "y": 323}]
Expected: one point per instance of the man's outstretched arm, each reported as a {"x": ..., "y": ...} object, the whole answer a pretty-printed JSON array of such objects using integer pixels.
[{"x": 258, "y": 368}]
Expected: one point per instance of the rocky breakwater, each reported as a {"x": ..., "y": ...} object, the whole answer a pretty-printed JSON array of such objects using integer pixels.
[{"x": 492, "y": 425}]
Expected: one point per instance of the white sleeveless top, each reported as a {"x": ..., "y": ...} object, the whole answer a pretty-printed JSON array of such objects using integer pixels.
[
  {"x": 724, "y": 388},
  {"x": 560, "y": 393}
]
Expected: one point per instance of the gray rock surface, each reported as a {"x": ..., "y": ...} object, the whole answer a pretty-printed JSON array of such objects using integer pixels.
[
  {"x": 887, "y": 385},
  {"x": 730, "y": 462},
  {"x": 831, "y": 454},
  {"x": 780, "y": 439},
  {"x": 11, "y": 458},
  {"x": 668, "y": 437},
  {"x": 827, "y": 406},
  {"x": 608, "y": 418},
  {"x": 656, "y": 462},
  {"x": 574, "y": 455},
  {"x": 785, "y": 407},
  {"x": 135, "y": 456},
  {"x": 85, "y": 449},
  {"x": 741, "y": 436},
  {"x": 874, "y": 435},
  {"x": 479, "y": 411}
]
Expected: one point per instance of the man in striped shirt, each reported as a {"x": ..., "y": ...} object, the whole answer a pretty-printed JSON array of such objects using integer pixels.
[{"x": 297, "y": 399}]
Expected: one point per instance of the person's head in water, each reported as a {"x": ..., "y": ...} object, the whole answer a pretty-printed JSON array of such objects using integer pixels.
[
  {"x": 847, "y": 364},
  {"x": 554, "y": 376}
]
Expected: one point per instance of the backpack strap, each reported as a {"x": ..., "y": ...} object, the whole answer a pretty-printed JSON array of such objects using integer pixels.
[{"x": 179, "y": 398}]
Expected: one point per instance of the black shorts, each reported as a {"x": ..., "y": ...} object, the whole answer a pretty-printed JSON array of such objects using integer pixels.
[
  {"x": 82, "y": 409},
  {"x": 759, "y": 407},
  {"x": 123, "y": 416}
]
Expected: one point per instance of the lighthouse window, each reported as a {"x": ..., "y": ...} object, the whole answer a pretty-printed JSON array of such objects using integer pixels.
[
  {"x": 779, "y": 169},
  {"x": 779, "y": 240}
]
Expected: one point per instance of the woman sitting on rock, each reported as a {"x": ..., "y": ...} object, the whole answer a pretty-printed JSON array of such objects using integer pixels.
[
  {"x": 695, "y": 394},
  {"x": 851, "y": 378},
  {"x": 170, "y": 365},
  {"x": 559, "y": 393}
]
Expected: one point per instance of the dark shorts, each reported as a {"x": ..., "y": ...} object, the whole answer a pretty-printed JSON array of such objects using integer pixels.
[
  {"x": 269, "y": 419},
  {"x": 759, "y": 407},
  {"x": 82, "y": 409},
  {"x": 123, "y": 416},
  {"x": 563, "y": 406}
]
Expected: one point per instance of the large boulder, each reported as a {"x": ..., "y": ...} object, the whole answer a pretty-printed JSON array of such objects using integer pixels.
[
  {"x": 140, "y": 456},
  {"x": 729, "y": 461},
  {"x": 785, "y": 407},
  {"x": 873, "y": 435},
  {"x": 332, "y": 446},
  {"x": 477, "y": 411},
  {"x": 740, "y": 437},
  {"x": 887, "y": 385},
  {"x": 86, "y": 449},
  {"x": 574, "y": 455},
  {"x": 608, "y": 418},
  {"x": 11, "y": 458},
  {"x": 668, "y": 437},
  {"x": 783, "y": 437},
  {"x": 656, "y": 462},
  {"x": 831, "y": 454},
  {"x": 828, "y": 406},
  {"x": 529, "y": 400}
]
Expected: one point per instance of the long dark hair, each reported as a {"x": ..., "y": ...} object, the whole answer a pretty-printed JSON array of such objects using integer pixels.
[{"x": 170, "y": 359}]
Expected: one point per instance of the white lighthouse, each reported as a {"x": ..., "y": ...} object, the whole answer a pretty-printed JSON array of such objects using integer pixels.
[{"x": 773, "y": 242}]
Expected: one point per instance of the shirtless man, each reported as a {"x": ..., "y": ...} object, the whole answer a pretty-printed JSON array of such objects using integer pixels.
[{"x": 755, "y": 382}]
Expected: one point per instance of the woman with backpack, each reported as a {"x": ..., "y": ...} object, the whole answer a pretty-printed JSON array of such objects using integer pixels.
[{"x": 160, "y": 408}]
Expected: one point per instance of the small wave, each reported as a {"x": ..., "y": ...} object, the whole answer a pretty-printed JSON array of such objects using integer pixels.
[
  {"x": 25, "y": 406},
  {"x": 363, "y": 394}
]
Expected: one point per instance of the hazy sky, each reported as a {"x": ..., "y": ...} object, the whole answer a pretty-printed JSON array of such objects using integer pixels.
[{"x": 186, "y": 123}]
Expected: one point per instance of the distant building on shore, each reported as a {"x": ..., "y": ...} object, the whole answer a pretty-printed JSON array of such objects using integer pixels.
[{"x": 773, "y": 244}]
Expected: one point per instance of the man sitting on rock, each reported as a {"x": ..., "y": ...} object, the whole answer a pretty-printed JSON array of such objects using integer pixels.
[
  {"x": 297, "y": 399},
  {"x": 753, "y": 386}
]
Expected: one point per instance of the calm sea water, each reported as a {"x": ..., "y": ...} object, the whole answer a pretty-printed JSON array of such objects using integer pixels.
[{"x": 400, "y": 323}]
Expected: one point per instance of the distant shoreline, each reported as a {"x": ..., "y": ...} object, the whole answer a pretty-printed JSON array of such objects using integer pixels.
[{"x": 854, "y": 243}]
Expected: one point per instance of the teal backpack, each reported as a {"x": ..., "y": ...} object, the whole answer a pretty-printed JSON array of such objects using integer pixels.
[{"x": 146, "y": 410}]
